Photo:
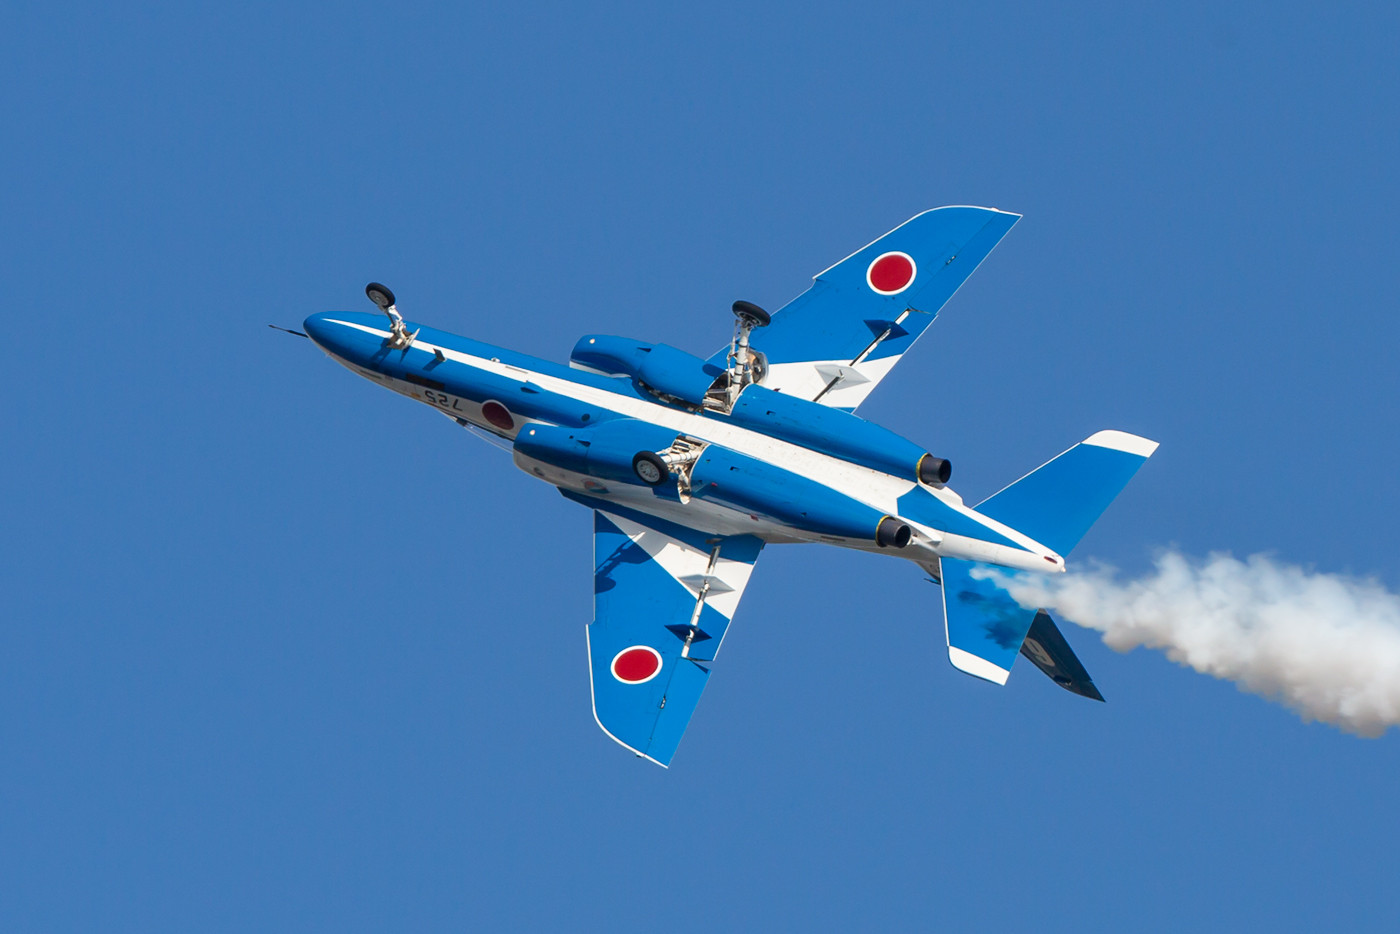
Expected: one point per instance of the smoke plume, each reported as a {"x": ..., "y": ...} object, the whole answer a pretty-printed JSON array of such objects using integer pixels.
[{"x": 1326, "y": 645}]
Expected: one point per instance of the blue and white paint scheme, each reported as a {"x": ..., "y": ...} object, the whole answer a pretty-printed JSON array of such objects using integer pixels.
[{"x": 693, "y": 465}]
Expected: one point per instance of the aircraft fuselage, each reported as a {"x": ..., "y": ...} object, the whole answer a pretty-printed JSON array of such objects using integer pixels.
[{"x": 771, "y": 465}]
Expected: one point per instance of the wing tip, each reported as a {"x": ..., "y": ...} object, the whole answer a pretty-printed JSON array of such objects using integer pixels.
[
  {"x": 632, "y": 749},
  {"x": 1011, "y": 216},
  {"x": 973, "y": 207},
  {"x": 593, "y": 705}
]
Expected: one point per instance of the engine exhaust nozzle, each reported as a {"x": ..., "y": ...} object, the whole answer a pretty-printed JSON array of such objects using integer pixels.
[{"x": 891, "y": 533}]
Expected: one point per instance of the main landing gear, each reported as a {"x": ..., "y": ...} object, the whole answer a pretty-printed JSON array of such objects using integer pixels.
[
  {"x": 399, "y": 338},
  {"x": 650, "y": 468},
  {"x": 654, "y": 467},
  {"x": 745, "y": 364}
]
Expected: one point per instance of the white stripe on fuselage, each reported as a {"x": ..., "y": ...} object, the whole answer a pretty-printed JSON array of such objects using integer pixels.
[{"x": 872, "y": 487}]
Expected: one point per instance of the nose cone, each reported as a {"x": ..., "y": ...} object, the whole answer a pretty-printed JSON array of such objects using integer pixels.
[
  {"x": 351, "y": 336},
  {"x": 321, "y": 329}
]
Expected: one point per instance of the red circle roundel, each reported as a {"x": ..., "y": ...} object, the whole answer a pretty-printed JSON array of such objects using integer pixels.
[
  {"x": 891, "y": 273},
  {"x": 636, "y": 665}
]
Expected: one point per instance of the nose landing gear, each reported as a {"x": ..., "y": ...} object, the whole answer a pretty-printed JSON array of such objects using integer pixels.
[{"x": 399, "y": 338}]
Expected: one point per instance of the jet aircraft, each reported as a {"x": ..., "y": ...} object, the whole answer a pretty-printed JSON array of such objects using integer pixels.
[{"x": 692, "y": 465}]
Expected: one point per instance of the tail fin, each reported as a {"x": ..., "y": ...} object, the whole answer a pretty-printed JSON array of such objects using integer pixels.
[
  {"x": 1049, "y": 651},
  {"x": 1056, "y": 503}
]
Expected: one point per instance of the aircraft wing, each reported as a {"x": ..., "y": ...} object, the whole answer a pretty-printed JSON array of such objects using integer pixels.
[
  {"x": 837, "y": 340},
  {"x": 663, "y": 595}
]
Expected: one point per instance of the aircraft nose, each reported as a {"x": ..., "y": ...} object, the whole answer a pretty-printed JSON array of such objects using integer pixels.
[
  {"x": 319, "y": 328},
  {"x": 342, "y": 334},
  {"x": 349, "y": 336}
]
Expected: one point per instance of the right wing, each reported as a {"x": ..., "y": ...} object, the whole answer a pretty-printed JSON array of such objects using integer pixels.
[
  {"x": 663, "y": 598},
  {"x": 837, "y": 340}
]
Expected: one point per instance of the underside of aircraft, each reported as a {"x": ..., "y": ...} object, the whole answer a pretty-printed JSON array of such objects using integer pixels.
[{"x": 693, "y": 465}]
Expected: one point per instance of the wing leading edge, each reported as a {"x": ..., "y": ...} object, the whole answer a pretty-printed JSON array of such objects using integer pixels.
[{"x": 663, "y": 598}]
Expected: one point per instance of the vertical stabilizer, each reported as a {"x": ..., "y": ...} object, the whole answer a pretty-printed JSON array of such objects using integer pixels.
[{"x": 1056, "y": 503}]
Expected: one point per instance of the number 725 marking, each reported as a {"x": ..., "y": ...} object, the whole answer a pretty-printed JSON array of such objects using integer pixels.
[{"x": 443, "y": 399}]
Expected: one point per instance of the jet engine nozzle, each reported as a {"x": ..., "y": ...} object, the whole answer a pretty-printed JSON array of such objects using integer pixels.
[
  {"x": 935, "y": 471},
  {"x": 891, "y": 533}
]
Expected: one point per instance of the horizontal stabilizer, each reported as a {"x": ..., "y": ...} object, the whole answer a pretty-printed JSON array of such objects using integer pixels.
[
  {"x": 1047, "y": 648},
  {"x": 985, "y": 626},
  {"x": 1056, "y": 503}
]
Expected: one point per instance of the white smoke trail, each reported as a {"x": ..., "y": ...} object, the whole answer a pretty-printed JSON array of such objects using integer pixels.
[{"x": 1326, "y": 645}]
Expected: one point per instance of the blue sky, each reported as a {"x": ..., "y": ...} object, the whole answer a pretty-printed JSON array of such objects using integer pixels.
[{"x": 282, "y": 651}]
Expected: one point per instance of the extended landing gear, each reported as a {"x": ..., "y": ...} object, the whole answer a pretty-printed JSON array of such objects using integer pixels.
[
  {"x": 756, "y": 317},
  {"x": 745, "y": 364},
  {"x": 654, "y": 467},
  {"x": 399, "y": 338},
  {"x": 650, "y": 468}
]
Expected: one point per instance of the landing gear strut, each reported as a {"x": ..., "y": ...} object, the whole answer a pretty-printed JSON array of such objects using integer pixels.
[
  {"x": 399, "y": 338},
  {"x": 744, "y": 360},
  {"x": 654, "y": 467}
]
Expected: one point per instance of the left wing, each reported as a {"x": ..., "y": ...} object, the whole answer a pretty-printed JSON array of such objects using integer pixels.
[
  {"x": 837, "y": 340},
  {"x": 663, "y": 595}
]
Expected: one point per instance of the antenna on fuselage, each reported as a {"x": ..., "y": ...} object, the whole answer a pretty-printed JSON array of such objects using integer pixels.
[
  {"x": 743, "y": 360},
  {"x": 399, "y": 338}
]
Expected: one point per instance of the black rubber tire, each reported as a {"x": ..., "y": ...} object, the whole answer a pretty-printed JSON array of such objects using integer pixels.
[
  {"x": 648, "y": 464},
  {"x": 383, "y": 291},
  {"x": 761, "y": 318}
]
